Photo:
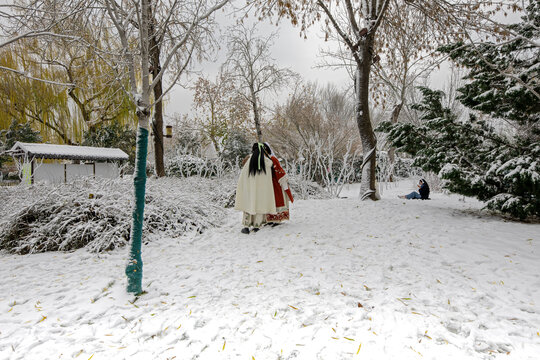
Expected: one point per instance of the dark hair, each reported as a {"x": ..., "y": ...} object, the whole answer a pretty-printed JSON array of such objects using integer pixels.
[
  {"x": 424, "y": 190},
  {"x": 256, "y": 163}
]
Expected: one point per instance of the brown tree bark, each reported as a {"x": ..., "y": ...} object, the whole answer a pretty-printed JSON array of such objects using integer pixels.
[
  {"x": 392, "y": 152},
  {"x": 363, "y": 119},
  {"x": 157, "y": 122},
  {"x": 256, "y": 115}
]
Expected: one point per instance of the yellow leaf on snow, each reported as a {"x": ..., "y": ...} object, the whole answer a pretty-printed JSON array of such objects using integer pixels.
[
  {"x": 293, "y": 307},
  {"x": 348, "y": 338},
  {"x": 224, "y": 342},
  {"x": 418, "y": 352},
  {"x": 43, "y": 318},
  {"x": 359, "y": 346}
]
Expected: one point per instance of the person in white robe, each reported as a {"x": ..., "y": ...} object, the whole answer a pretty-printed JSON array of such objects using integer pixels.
[{"x": 255, "y": 190}]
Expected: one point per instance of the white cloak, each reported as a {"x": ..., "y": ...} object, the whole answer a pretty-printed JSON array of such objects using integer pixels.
[{"x": 255, "y": 194}]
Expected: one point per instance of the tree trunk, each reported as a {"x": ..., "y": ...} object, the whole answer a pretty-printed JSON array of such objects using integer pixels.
[
  {"x": 392, "y": 152},
  {"x": 157, "y": 123},
  {"x": 363, "y": 120},
  {"x": 256, "y": 115},
  {"x": 134, "y": 266}
]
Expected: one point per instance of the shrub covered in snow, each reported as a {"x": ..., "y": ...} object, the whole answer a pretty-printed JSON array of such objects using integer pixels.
[
  {"x": 305, "y": 189},
  {"x": 236, "y": 146},
  {"x": 97, "y": 213},
  {"x": 184, "y": 165}
]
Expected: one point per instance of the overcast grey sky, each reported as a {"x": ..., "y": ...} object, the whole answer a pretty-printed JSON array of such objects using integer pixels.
[
  {"x": 292, "y": 51},
  {"x": 289, "y": 50}
]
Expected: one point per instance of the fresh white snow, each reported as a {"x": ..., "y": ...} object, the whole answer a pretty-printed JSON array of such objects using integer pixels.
[
  {"x": 55, "y": 151},
  {"x": 344, "y": 279}
]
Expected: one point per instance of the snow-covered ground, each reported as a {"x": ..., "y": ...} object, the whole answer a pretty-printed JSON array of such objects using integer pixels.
[{"x": 344, "y": 279}]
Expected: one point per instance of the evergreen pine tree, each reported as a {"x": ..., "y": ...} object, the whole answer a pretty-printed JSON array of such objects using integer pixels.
[{"x": 496, "y": 165}]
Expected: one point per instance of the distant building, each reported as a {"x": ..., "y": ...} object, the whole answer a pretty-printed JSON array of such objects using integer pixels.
[{"x": 98, "y": 162}]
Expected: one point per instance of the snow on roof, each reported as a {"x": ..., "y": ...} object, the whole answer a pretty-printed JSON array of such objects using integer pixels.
[{"x": 52, "y": 151}]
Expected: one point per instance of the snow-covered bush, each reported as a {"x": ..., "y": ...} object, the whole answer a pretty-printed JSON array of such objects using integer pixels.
[
  {"x": 96, "y": 214},
  {"x": 318, "y": 163},
  {"x": 184, "y": 165},
  {"x": 235, "y": 147},
  {"x": 403, "y": 168},
  {"x": 304, "y": 189}
]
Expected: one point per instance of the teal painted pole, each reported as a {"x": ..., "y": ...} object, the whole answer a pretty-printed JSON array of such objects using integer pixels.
[{"x": 135, "y": 265}]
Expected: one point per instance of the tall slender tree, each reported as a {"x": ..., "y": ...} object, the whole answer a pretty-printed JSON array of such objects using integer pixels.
[
  {"x": 133, "y": 24},
  {"x": 251, "y": 66},
  {"x": 219, "y": 109}
]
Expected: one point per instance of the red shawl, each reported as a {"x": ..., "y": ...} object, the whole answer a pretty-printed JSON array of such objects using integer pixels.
[{"x": 277, "y": 174}]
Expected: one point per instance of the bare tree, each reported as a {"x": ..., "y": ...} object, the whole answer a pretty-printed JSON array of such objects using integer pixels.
[
  {"x": 253, "y": 69},
  {"x": 314, "y": 115},
  {"x": 315, "y": 132},
  {"x": 219, "y": 108},
  {"x": 356, "y": 24},
  {"x": 133, "y": 25}
]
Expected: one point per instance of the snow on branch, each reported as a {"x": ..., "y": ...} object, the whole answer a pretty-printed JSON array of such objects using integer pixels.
[{"x": 96, "y": 214}]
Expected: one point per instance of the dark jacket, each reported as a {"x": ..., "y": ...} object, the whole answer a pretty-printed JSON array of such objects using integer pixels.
[{"x": 424, "y": 191}]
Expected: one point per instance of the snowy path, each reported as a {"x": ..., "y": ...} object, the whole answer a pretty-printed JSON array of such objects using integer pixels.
[{"x": 344, "y": 279}]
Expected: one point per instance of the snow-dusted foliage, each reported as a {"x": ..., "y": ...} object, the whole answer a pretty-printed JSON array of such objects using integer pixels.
[
  {"x": 236, "y": 146},
  {"x": 185, "y": 165},
  {"x": 319, "y": 163},
  {"x": 474, "y": 157},
  {"x": 96, "y": 214},
  {"x": 403, "y": 168},
  {"x": 305, "y": 189}
]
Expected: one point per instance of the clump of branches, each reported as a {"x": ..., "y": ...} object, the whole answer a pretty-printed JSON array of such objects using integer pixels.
[
  {"x": 312, "y": 130},
  {"x": 96, "y": 214},
  {"x": 304, "y": 189}
]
